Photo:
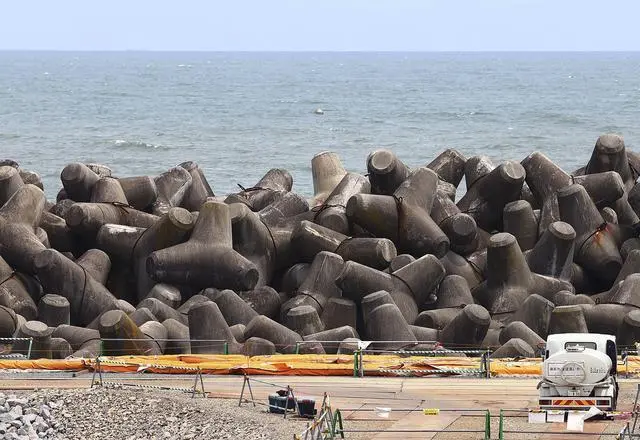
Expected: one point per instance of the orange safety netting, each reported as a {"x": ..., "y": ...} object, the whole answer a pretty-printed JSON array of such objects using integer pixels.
[{"x": 296, "y": 365}]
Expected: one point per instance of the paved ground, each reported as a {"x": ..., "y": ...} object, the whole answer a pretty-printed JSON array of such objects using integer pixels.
[{"x": 406, "y": 397}]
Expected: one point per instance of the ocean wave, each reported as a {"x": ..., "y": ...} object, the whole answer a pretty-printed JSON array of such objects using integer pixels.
[{"x": 124, "y": 144}]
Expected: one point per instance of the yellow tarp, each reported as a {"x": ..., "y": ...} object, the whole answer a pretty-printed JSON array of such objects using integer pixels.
[{"x": 297, "y": 365}]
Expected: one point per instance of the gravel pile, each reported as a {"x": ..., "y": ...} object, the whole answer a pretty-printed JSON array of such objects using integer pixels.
[
  {"x": 27, "y": 417},
  {"x": 132, "y": 414}
]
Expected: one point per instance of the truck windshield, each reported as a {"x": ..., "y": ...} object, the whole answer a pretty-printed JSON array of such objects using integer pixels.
[{"x": 591, "y": 345}]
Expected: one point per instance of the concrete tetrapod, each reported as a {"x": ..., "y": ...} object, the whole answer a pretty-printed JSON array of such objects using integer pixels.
[
  {"x": 604, "y": 318},
  {"x": 596, "y": 249},
  {"x": 332, "y": 338},
  {"x": 468, "y": 328},
  {"x": 409, "y": 285},
  {"x": 629, "y": 331},
  {"x": 96, "y": 263},
  {"x": 272, "y": 185},
  {"x": 237, "y": 331},
  {"x": 486, "y": 198},
  {"x": 437, "y": 319},
  {"x": 170, "y": 230},
  {"x": 475, "y": 168},
  {"x": 283, "y": 338},
  {"x": 399, "y": 261},
  {"x": 10, "y": 182},
  {"x": 207, "y": 259},
  {"x": 157, "y": 333},
  {"x": 453, "y": 292},
  {"x": 209, "y": 331},
  {"x": 60, "y": 349},
  {"x": 339, "y": 312},
  {"x": 82, "y": 340},
  {"x": 519, "y": 330},
  {"x": 120, "y": 336},
  {"x": 288, "y": 204},
  {"x": 171, "y": 186},
  {"x": 140, "y": 191},
  {"x": 332, "y": 213},
  {"x": 19, "y": 216},
  {"x": 319, "y": 285},
  {"x": 88, "y": 298},
  {"x": 535, "y": 313},
  {"x": 407, "y": 221},
  {"x": 471, "y": 267},
  {"x": 567, "y": 319},
  {"x": 54, "y": 310},
  {"x": 386, "y": 171},
  {"x": 625, "y": 292},
  {"x": 373, "y": 300},
  {"x": 141, "y": 315},
  {"x": 564, "y": 298},
  {"x": 178, "y": 335},
  {"x": 545, "y": 179},
  {"x": 166, "y": 293},
  {"x": 234, "y": 309},
  {"x": 609, "y": 154},
  {"x": 264, "y": 300},
  {"x": 199, "y": 189},
  {"x": 41, "y": 334},
  {"x": 78, "y": 181},
  {"x": 327, "y": 172},
  {"x": 460, "y": 228},
  {"x": 108, "y": 190},
  {"x": 59, "y": 234},
  {"x": 552, "y": 255},
  {"x": 14, "y": 293},
  {"x": 293, "y": 277},
  {"x": 86, "y": 219},
  {"x": 514, "y": 348},
  {"x": 193, "y": 301},
  {"x": 253, "y": 240},
  {"x": 255, "y": 346},
  {"x": 118, "y": 241},
  {"x": 8, "y": 322},
  {"x": 509, "y": 281},
  {"x": 309, "y": 239},
  {"x": 519, "y": 220},
  {"x": 449, "y": 166},
  {"x": 160, "y": 310},
  {"x": 386, "y": 323},
  {"x": 303, "y": 320}
]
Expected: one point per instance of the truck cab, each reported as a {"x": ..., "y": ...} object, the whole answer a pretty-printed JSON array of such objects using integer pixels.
[{"x": 579, "y": 371}]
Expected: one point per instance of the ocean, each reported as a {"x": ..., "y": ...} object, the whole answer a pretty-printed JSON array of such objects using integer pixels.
[{"x": 239, "y": 114}]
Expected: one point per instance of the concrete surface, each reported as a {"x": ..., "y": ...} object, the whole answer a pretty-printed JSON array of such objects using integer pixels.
[{"x": 406, "y": 397}]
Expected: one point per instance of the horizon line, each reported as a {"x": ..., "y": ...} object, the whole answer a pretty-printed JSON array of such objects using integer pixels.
[{"x": 326, "y": 51}]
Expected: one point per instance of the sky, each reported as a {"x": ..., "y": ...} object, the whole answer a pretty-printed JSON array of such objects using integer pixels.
[{"x": 321, "y": 25}]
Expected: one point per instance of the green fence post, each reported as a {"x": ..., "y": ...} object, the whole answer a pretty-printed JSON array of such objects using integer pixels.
[
  {"x": 297, "y": 347},
  {"x": 337, "y": 420},
  {"x": 29, "y": 349},
  {"x": 501, "y": 427},
  {"x": 487, "y": 425},
  {"x": 101, "y": 347},
  {"x": 355, "y": 364},
  {"x": 226, "y": 348}
]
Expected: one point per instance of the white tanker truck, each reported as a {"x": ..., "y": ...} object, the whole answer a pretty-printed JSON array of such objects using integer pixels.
[{"x": 579, "y": 372}]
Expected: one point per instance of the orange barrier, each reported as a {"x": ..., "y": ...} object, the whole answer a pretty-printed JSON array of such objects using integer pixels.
[
  {"x": 293, "y": 365},
  {"x": 44, "y": 364}
]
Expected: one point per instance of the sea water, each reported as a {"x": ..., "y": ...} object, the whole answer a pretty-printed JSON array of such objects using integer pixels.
[{"x": 239, "y": 114}]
